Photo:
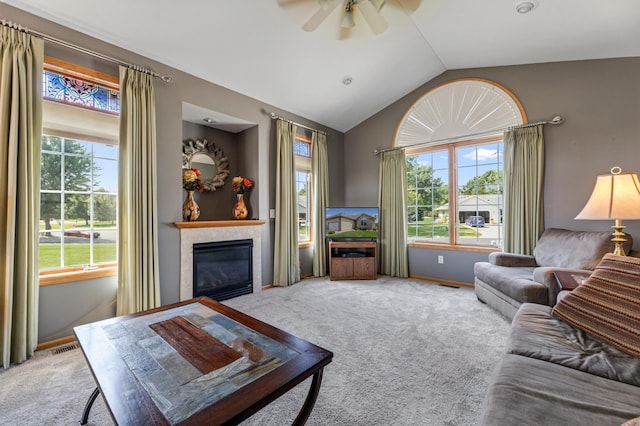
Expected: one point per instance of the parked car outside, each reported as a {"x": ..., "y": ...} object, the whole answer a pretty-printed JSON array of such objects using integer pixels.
[
  {"x": 477, "y": 221},
  {"x": 80, "y": 233}
]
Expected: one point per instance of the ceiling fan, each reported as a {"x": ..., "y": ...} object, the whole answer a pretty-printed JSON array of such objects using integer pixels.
[{"x": 369, "y": 10}]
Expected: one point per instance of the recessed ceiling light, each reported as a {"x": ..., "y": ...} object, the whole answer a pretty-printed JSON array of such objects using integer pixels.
[
  {"x": 208, "y": 120},
  {"x": 525, "y": 6},
  {"x": 347, "y": 81}
]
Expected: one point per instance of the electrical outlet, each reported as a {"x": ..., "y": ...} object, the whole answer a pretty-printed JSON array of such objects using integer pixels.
[
  {"x": 441, "y": 259},
  {"x": 272, "y": 213}
]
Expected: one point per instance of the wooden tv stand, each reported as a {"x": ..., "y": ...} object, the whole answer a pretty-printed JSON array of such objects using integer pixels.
[{"x": 352, "y": 260}]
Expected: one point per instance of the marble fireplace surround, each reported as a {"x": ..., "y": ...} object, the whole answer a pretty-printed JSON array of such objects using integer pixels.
[{"x": 217, "y": 230}]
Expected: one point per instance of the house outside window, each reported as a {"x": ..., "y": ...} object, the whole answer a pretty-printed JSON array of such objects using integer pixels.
[
  {"x": 302, "y": 154},
  {"x": 79, "y": 165}
]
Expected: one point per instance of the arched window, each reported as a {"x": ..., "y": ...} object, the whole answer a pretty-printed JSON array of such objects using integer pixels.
[{"x": 453, "y": 143}]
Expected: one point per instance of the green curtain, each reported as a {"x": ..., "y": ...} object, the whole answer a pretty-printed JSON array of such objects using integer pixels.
[
  {"x": 320, "y": 194},
  {"x": 392, "y": 243},
  {"x": 286, "y": 270},
  {"x": 138, "y": 282},
  {"x": 523, "y": 189},
  {"x": 22, "y": 58}
]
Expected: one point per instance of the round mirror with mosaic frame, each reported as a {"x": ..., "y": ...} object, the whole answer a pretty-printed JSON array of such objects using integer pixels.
[{"x": 209, "y": 159}]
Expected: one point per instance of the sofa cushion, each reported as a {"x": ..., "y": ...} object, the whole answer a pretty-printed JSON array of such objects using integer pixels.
[
  {"x": 607, "y": 305},
  {"x": 514, "y": 282},
  {"x": 529, "y": 391},
  {"x": 574, "y": 249},
  {"x": 537, "y": 334}
]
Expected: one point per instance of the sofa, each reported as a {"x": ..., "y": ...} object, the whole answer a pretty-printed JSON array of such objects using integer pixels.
[
  {"x": 577, "y": 363},
  {"x": 508, "y": 280}
]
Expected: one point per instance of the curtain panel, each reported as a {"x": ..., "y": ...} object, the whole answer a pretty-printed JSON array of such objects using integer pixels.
[
  {"x": 320, "y": 194},
  {"x": 21, "y": 64},
  {"x": 138, "y": 282},
  {"x": 286, "y": 269},
  {"x": 393, "y": 214},
  {"x": 523, "y": 189}
]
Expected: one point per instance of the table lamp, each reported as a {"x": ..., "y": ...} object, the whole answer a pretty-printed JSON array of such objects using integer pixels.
[{"x": 615, "y": 196}]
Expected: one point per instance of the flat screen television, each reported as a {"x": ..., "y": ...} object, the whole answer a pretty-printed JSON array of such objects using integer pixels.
[{"x": 351, "y": 223}]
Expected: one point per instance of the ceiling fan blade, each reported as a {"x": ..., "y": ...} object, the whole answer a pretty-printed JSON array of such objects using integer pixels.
[
  {"x": 374, "y": 18},
  {"x": 410, "y": 5},
  {"x": 285, "y": 3},
  {"x": 318, "y": 17},
  {"x": 377, "y": 4},
  {"x": 325, "y": 3}
]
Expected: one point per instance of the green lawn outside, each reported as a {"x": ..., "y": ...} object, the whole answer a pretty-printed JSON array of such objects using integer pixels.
[
  {"x": 356, "y": 233},
  {"x": 75, "y": 254},
  {"x": 427, "y": 228}
]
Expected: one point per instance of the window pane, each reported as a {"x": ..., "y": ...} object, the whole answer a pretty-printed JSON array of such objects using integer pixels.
[
  {"x": 105, "y": 151},
  {"x": 105, "y": 177},
  {"x": 480, "y": 186},
  {"x": 302, "y": 181},
  {"x": 427, "y": 179},
  {"x": 50, "y": 171},
  {"x": 77, "y": 167}
]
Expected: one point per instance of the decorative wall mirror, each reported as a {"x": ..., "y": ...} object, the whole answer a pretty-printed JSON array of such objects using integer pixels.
[{"x": 206, "y": 157}]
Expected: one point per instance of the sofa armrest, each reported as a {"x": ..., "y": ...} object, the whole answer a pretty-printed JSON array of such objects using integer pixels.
[
  {"x": 545, "y": 275},
  {"x": 511, "y": 259}
]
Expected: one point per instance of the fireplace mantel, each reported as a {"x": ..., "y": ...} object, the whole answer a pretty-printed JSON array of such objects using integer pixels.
[
  {"x": 218, "y": 223},
  {"x": 216, "y": 230}
]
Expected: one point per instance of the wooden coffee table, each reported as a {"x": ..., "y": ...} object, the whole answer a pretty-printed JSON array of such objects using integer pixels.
[{"x": 195, "y": 362}]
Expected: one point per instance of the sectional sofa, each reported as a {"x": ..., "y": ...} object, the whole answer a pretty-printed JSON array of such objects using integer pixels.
[{"x": 577, "y": 363}]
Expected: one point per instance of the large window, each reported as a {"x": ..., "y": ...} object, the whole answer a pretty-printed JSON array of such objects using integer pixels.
[
  {"x": 453, "y": 143},
  {"x": 78, "y": 203},
  {"x": 302, "y": 151},
  {"x": 79, "y": 164},
  {"x": 455, "y": 194}
]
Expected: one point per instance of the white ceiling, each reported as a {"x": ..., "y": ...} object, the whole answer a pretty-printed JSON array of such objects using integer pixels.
[{"x": 259, "y": 49}]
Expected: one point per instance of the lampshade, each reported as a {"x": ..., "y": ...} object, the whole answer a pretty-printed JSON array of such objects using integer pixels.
[{"x": 615, "y": 196}]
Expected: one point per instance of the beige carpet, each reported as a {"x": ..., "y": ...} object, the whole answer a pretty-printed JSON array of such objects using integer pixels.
[{"x": 406, "y": 352}]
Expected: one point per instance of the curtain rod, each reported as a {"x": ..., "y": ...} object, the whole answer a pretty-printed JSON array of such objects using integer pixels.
[
  {"x": 166, "y": 78},
  {"x": 276, "y": 116},
  {"x": 555, "y": 120}
]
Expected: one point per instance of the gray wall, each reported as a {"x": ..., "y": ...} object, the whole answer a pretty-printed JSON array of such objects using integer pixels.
[{"x": 600, "y": 101}]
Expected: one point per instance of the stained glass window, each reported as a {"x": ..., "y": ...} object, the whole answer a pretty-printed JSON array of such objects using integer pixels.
[
  {"x": 302, "y": 148},
  {"x": 72, "y": 90}
]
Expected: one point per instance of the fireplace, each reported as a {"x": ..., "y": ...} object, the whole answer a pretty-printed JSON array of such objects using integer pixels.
[
  {"x": 192, "y": 233},
  {"x": 223, "y": 269}
]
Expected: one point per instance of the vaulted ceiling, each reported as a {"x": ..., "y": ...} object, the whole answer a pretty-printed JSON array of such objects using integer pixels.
[{"x": 260, "y": 49}]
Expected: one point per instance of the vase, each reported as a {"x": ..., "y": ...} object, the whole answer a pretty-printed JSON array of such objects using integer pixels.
[
  {"x": 240, "y": 208},
  {"x": 190, "y": 209}
]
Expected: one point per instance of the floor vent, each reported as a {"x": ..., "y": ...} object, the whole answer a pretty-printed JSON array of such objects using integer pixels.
[{"x": 66, "y": 348}]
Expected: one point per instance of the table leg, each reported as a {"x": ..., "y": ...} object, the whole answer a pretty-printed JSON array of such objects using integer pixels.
[
  {"x": 88, "y": 405},
  {"x": 311, "y": 399}
]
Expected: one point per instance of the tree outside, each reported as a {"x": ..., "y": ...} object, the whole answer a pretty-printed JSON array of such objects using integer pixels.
[
  {"x": 426, "y": 191},
  {"x": 489, "y": 182},
  {"x": 77, "y": 168}
]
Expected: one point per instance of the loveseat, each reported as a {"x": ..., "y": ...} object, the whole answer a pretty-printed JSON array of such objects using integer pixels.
[
  {"x": 577, "y": 363},
  {"x": 508, "y": 280}
]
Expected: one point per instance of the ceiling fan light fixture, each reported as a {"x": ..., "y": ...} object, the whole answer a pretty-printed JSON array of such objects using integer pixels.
[{"x": 525, "y": 6}]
